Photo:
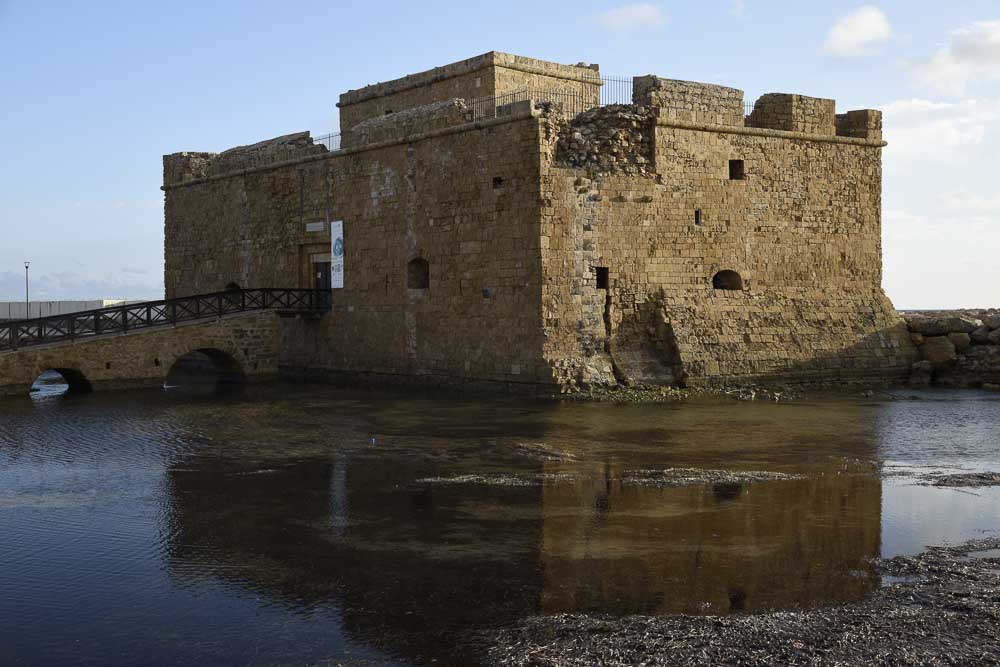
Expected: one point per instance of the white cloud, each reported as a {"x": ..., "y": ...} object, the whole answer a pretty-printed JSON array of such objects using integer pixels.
[
  {"x": 857, "y": 33},
  {"x": 971, "y": 202},
  {"x": 925, "y": 127},
  {"x": 972, "y": 54},
  {"x": 631, "y": 17}
]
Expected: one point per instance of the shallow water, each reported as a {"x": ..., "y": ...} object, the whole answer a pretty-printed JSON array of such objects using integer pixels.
[{"x": 306, "y": 524}]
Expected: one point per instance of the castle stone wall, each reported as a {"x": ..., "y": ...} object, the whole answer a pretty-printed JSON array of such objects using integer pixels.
[
  {"x": 689, "y": 101},
  {"x": 794, "y": 113},
  {"x": 487, "y": 75},
  {"x": 802, "y": 229},
  {"x": 463, "y": 199},
  {"x": 862, "y": 124}
]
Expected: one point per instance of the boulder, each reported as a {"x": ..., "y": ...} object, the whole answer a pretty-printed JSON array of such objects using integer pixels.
[
  {"x": 960, "y": 340},
  {"x": 992, "y": 321},
  {"x": 918, "y": 339},
  {"x": 938, "y": 350},
  {"x": 981, "y": 335},
  {"x": 942, "y": 326},
  {"x": 994, "y": 337}
]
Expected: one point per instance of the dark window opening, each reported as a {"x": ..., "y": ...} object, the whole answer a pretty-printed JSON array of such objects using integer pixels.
[
  {"x": 232, "y": 287},
  {"x": 497, "y": 182},
  {"x": 697, "y": 216},
  {"x": 388, "y": 111},
  {"x": 107, "y": 366},
  {"x": 602, "y": 276},
  {"x": 156, "y": 362},
  {"x": 727, "y": 279},
  {"x": 736, "y": 170},
  {"x": 418, "y": 274}
]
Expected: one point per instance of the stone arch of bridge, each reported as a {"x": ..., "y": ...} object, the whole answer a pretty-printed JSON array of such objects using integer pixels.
[
  {"x": 205, "y": 365},
  {"x": 76, "y": 381}
]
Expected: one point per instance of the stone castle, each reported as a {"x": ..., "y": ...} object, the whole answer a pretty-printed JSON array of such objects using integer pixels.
[{"x": 501, "y": 225}]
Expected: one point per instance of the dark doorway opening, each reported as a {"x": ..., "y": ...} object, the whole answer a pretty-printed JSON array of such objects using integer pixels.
[{"x": 322, "y": 279}]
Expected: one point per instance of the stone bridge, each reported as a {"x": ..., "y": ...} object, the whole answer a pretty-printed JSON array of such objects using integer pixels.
[
  {"x": 230, "y": 336},
  {"x": 243, "y": 345}
]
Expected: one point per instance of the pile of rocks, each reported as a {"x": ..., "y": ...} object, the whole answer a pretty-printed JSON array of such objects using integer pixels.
[
  {"x": 614, "y": 138},
  {"x": 958, "y": 348}
]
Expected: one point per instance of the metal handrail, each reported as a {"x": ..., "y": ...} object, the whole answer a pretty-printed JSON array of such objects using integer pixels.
[{"x": 133, "y": 316}]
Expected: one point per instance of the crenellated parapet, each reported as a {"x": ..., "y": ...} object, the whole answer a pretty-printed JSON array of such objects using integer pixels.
[
  {"x": 860, "y": 124},
  {"x": 794, "y": 113},
  {"x": 689, "y": 101}
]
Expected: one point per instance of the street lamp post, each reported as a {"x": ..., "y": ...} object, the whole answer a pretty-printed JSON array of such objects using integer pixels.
[{"x": 27, "y": 301}]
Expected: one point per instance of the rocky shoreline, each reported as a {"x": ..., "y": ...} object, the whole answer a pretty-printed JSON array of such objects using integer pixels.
[
  {"x": 941, "y": 607},
  {"x": 959, "y": 348}
]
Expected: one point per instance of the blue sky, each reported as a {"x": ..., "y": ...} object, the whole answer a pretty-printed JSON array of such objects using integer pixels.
[{"x": 96, "y": 92}]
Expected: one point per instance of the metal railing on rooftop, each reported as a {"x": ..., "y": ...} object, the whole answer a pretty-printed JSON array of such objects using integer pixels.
[
  {"x": 616, "y": 90},
  {"x": 331, "y": 141}
]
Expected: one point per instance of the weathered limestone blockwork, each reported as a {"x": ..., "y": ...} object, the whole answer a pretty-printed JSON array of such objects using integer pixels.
[
  {"x": 689, "y": 101},
  {"x": 143, "y": 358},
  {"x": 467, "y": 203},
  {"x": 659, "y": 242},
  {"x": 802, "y": 229},
  {"x": 463, "y": 199},
  {"x": 862, "y": 123},
  {"x": 426, "y": 118},
  {"x": 487, "y": 75},
  {"x": 794, "y": 113}
]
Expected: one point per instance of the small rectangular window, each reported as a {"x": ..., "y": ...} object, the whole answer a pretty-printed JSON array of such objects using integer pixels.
[
  {"x": 497, "y": 182},
  {"x": 697, "y": 216},
  {"x": 736, "y": 170},
  {"x": 602, "y": 276}
]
